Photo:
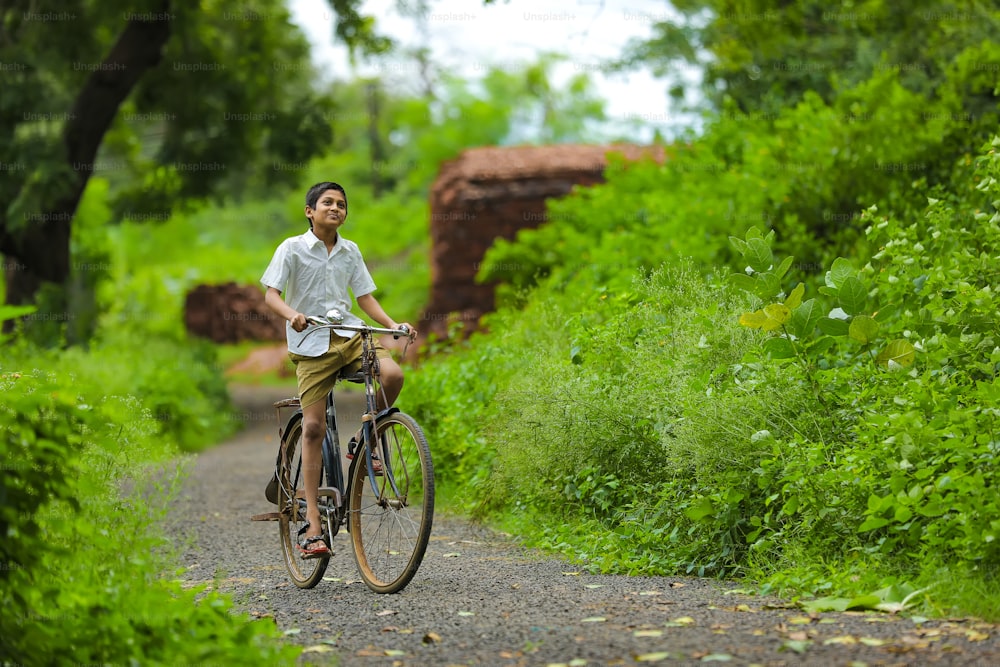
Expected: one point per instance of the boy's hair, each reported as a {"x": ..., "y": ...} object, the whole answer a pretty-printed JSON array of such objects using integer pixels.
[{"x": 312, "y": 196}]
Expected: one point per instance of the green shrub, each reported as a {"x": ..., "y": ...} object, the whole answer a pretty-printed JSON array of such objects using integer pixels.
[{"x": 85, "y": 568}]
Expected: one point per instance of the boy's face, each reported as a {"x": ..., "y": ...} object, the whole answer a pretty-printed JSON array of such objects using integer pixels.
[{"x": 330, "y": 212}]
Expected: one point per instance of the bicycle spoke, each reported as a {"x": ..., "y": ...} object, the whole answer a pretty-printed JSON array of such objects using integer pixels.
[{"x": 391, "y": 514}]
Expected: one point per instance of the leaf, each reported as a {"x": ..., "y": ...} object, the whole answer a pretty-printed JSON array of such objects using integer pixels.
[
  {"x": 779, "y": 348},
  {"x": 739, "y": 245},
  {"x": 453, "y": 554},
  {"x": 839, "y": 272},
  {"x": 852, "y": 296},
  {"x": 753, "y": 320},
  {"x": 795, "y": 298},
  {"x": 833, "y": 327},
  {"x": 683, "y": 620},
  {"x": 594, "y": 619},
  {"x": 899, "y": 351},
  {"x": 466, "y": 613},
  {"x": 783, "y": 267},
  {"x": 394, "y": 652},
  {"x": 805, "y": 318},
  {"x": 386, "y": 612},
  {"x": 648, "y": 633},
  {"x": 777, "y": 314},
  {"x": 652, "y": 657},
  {"x": 872, "y": 523},
  {"x": 796, "y": 645},
  {"x": 318, "y": 648},
  {"x": 844, "y": 639},
  {"x": 700, "y": 509},
  {"x": 759, "y": 255},
  {"x": 863, "y": 329},
  {"x": 431, "y": 638},
  {"x": 743, "y": 282},
  {"x": 717, "y": 657}
]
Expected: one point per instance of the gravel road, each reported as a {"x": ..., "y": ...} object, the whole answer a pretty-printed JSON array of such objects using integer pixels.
[{"x": 481, "y": 599}]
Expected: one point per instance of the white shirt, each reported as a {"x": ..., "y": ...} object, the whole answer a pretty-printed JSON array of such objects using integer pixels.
[{"x": 312, "y": 282}]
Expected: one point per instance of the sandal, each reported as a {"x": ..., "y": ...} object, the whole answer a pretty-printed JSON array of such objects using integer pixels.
[
  {"x": 352, "y": 447},
  {"x": 313, "y": 547}
]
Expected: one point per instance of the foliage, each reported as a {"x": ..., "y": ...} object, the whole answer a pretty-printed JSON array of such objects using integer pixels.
[
  {"x": 84, "y": 575},
  {"x": 767, "y": 55},
  {"x": 807, "y": 172},
  {"x": 842, "y": 442}
]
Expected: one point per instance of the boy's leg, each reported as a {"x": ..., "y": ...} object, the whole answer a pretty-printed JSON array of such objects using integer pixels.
[
  {"x": 391, "y": 380},
  {"x": 313, "y": 431}
]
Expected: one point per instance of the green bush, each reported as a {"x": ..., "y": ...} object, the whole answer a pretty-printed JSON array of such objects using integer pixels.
[
  {"x": 839, "y": 437},
  {"x": 85, "y": 575}
]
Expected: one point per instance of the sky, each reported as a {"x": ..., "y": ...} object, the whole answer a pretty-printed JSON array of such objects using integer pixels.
[{"x": 468, "y": 37}]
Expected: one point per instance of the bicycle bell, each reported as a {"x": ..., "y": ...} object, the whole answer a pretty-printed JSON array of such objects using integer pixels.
[{"x": 335, "y": 316}]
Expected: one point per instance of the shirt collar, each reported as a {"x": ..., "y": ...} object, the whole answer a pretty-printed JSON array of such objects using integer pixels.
[{"x": 312, "y": 240}]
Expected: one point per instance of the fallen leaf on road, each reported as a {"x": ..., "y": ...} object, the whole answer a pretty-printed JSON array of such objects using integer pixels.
[
  {"x": 386, "y": 612},
  {"x": 593, "y": 585},
  {"x": 431, "y": 638},
  {"x": 652, "y": 657},
  {"x": 845, "y": 639},
  {"x": 677, "y": 584},
  {"x": 649, "y": 593},
  {"x": 683, "y": 620},
  {"x": 796, "y": 645},
  {"x": 872, "y": 641},
  {"x": 571, "y": 574},
  {"x": 717, "y": 657},
  {"x": 976, "y": 636},
  {"x": 318, "y": 648},
  {"x": 453, "y": 554},
  {"x": 594, "y": 619},
  {"x": 466, "y": 613},
  {"x": 394, "y": 652},
  {"x": 648, "y": 633},
  {"x": 292, "y": 631}
]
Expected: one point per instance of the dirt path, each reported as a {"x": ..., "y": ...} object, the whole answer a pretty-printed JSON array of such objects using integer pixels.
[{"x": 479, "y": 599}]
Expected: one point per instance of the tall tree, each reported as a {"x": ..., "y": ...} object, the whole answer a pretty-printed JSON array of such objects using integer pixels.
[
  {"x": 765, "y": 54},
  {"x": 192, "y": 96}
]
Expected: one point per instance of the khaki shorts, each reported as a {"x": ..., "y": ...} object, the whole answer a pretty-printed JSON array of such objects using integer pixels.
[{"x": 317, "y": 375}]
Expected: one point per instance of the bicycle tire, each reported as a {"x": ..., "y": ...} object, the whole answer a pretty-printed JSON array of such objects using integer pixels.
[
  {"x": 391, "y": 514},
  {"x": 305, "y": 573}
]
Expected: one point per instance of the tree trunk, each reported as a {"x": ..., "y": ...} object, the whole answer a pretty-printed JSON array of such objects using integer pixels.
[{"x": 41, "y": 249}]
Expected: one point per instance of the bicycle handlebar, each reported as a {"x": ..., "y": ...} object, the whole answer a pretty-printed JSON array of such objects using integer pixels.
[{"x": 319, "y": 321}]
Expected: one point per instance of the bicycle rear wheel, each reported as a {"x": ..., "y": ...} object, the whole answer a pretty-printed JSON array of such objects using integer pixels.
[
  {"x": 391, "y": 514},
  {"x": 305, "y": 573}
]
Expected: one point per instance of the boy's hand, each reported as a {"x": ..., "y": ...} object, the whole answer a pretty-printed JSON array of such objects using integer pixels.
[
  {"x": 411, "y": 332},
  {"x": 299, "y": 322}
]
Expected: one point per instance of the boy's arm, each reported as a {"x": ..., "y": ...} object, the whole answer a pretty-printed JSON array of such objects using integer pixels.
[
  {"x": 370, "y": 305},
  {"x": 273, "y": 300}
]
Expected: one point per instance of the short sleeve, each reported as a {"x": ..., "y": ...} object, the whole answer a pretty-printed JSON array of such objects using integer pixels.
[
  {"x": 361, "y": 280},
  {"x": 276, "y": 275}
]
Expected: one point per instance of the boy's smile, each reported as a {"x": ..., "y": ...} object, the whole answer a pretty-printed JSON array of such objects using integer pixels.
[{"x": 330, "y": 213}]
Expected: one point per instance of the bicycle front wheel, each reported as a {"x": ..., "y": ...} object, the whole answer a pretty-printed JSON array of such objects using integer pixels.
[
  {"x": 391, "y": 514},
  {"x": 305, "y": 573}
]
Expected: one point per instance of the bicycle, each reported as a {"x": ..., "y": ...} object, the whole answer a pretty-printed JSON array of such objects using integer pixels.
[{"x": 389, "y": 492}]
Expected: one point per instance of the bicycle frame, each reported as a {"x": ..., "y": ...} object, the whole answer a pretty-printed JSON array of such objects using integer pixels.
[{"x": 369, "y": 420}]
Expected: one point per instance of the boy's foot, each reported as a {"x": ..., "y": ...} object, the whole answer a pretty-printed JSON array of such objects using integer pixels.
[{"x": 313, "y": 546}]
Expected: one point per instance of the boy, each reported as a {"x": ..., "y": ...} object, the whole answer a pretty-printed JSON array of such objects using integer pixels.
[{"x": 314, "y": 271}]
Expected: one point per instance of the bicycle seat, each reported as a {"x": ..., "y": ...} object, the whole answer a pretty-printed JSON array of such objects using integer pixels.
[{"x": 356, "y": 377}]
